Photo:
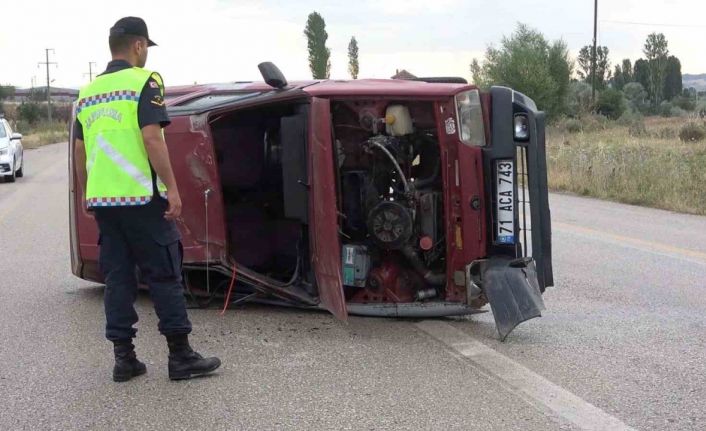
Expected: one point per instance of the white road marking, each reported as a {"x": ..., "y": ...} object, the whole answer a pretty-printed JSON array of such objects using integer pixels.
[{"x": 523, "y": 382}]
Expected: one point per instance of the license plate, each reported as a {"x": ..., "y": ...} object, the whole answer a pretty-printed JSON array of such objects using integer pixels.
[{"x": 505, "y": 199}]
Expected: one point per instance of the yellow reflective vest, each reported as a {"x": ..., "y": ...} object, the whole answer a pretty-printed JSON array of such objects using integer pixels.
[{"x": 117, "y": 165}]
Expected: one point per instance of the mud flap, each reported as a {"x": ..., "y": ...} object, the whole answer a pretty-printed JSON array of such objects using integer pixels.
[{"x": 513, "y": 292}]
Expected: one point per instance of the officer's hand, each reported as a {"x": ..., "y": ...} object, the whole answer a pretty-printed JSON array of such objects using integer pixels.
[{"x": 174, "y": 209}]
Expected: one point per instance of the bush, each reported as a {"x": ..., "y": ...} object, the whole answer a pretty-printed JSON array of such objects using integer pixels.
[
  {"x": 611, "y": 103},
  {"x": 21, "y": 126},
  {"x": 701, "y": 109},
  {"x": 636, "y": 96},
  {"x": 594, "y": 123},
  {"x": 570, "y": 125},
  {"x": 60, "y": 112},
  {"x": 29, "y": 112},
  {"x": 630, "y": 117},
  {"x": 685, "y": 103},
  {"x": 678, "y": 112},
  {"x": 588, "y": 123},
  {"x": 692, "y": 132},
  {"x": 635, "y": 123},
  {"x": 579, "y": 99},
  {"x": 637, "y": 128},
  {"x": 665, "y": 133},
  {"x": 665, "y": 109}
]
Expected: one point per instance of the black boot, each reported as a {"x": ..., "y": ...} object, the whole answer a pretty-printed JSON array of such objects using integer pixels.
[
  {"x": 184, "y": 363},
  {"x": 126, "y": 364}
]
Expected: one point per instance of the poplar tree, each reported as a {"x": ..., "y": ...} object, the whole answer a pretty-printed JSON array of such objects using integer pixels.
[
  {"x": 656, "y": 53},
  {"x": 673, "y": 79},
  {"x": 319, "y": 54},
  {"x": 353, "y": 66}
]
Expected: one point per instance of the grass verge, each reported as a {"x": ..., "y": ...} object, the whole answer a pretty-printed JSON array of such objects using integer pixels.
[
  {"x": 44, "y": 134},
  {"x": 651, "y": 168}
]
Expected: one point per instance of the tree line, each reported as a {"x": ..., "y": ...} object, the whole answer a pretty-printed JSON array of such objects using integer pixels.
[{"x": 544, "y": 70}]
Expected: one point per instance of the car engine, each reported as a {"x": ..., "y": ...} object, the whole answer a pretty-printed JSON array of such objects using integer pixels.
[{"x": 391, "y": 209}]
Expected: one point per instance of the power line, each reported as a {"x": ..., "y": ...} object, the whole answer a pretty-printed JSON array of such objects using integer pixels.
[{"x": 653, "y": 24}]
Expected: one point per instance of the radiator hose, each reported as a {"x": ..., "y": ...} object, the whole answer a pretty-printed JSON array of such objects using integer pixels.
[{"x": 429, "y": 276}]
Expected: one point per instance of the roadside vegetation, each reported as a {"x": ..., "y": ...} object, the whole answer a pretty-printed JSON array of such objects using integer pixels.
[
  {"x": 45, "y": 133},
  {"x": 657, "y": 162},
  {"x": 642, "y": 140},
  {"x": 30, "y": 118}
]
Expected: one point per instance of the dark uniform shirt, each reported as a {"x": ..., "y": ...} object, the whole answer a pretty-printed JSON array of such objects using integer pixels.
[{"x": 150, "y": 109}]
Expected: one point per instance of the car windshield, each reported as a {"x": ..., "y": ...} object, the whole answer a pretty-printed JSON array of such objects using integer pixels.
[{"x": 3, "y": 133}]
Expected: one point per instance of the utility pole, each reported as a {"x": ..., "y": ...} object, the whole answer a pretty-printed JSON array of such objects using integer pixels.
[
  {"x": 47, "y": 63},
  {"x": 593, "y": 57},
  {"x": 90, "y": 70}
]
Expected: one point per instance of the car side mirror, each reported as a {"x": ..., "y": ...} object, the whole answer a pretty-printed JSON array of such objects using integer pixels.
[
  {"x": 272, "y": 75},
  {"x": 16, "y": 136}
]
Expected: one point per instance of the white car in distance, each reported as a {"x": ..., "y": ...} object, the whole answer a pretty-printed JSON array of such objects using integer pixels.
[{"x": 11, "y": 153}]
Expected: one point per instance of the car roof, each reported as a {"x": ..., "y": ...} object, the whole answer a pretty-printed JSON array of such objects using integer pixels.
[
  {"x": 178, "y": 95},
  {"x": 385, "y": 87}
]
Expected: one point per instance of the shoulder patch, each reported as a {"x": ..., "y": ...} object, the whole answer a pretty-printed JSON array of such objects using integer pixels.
[
  {"x": 153, "y": 84},
  {"x": 157, "y": 77},
  {"x": 157, "y": 100},
  {"x": 158, "y": 80}
]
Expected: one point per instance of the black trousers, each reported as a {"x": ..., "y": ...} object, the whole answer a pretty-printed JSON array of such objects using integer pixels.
[{"x": 140, "y": 237}]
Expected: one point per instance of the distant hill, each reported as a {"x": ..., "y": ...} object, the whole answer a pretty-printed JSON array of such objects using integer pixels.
[{"x": 696, "y": 81}]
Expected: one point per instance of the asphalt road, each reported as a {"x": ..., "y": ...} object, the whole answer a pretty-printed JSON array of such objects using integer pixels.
[{"x": 624, "y": 336}]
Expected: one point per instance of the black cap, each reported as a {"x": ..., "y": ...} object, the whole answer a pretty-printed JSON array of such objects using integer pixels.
[{"x": 131, "y": 25}]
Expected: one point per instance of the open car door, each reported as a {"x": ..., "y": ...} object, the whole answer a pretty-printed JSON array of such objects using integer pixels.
[{"x": 323, "y": 218}]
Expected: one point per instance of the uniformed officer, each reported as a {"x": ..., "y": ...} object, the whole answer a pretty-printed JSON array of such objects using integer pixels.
[{"x": 123, "y": 165}]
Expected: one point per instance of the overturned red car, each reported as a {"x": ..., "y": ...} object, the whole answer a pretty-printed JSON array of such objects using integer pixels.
[{"x": 370, "y": 197}]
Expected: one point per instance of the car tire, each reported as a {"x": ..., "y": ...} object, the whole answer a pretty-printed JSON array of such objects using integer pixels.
[
  {"x": 11, "y": 178},
  {"x": 20, "y": 172}
]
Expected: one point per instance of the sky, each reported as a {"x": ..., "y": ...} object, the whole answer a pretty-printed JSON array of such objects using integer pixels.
[{"x": 223, "y": 40}]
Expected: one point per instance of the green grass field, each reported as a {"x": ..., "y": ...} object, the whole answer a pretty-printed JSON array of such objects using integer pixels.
[{"x": 647, "y": 166}]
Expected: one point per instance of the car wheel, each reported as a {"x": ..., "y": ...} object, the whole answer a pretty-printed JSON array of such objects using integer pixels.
[
  {"x": 20, "y": 172},
  {"x": 11, "y": 178}
]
